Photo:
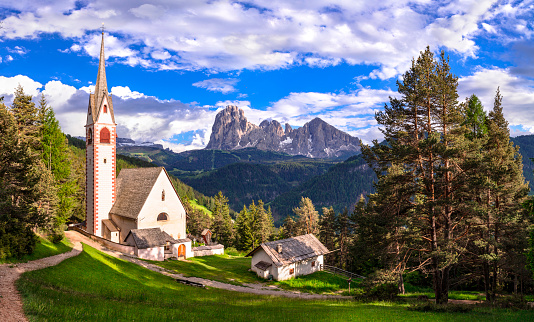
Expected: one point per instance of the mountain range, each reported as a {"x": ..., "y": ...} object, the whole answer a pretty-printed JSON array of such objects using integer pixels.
[{"x": 316, "y": 139}]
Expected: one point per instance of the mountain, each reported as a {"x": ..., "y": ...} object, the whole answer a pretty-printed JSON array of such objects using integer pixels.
[{"x": 316, "y": 139}]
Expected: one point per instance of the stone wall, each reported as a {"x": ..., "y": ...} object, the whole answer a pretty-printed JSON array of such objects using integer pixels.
[{"x": 106, "y": 243}]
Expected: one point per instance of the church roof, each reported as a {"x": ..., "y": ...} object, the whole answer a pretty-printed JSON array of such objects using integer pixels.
[
  {"x": 292, "y": 250},
  {"x": 133, "y": 188},
  {"x": 150, "y": 237},
  {"x": 101, "y": 88}
]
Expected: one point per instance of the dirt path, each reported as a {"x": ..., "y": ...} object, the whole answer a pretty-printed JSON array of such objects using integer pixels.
[{"x": 10, "y": 301}]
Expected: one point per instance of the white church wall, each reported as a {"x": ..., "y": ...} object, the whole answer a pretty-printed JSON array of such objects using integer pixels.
[
  {"x": 175, "y": 225},
  {"x": 154, "y": 253}
]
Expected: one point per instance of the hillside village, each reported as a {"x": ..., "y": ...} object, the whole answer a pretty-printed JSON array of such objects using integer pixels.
[{"x": 433, "y": 221}]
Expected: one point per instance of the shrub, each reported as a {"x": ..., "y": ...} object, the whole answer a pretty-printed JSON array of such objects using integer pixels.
[
  {"x": 381, "y": 285},
  {"x": 516, "y": 302},
  {"x": 442, "y": 308},
  {"x": 16, "y": 239}
]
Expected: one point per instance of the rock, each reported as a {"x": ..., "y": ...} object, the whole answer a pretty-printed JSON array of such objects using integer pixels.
[{"x": 316, "y": 139}]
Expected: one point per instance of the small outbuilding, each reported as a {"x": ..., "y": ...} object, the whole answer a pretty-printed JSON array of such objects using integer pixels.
[
  {"x": 287, "y": 258},
  {"x": 206, "y": 236},
  {"x": 157, "y": 245}
]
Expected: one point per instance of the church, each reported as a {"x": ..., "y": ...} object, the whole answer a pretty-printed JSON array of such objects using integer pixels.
[{"x": 139, "y": 208}]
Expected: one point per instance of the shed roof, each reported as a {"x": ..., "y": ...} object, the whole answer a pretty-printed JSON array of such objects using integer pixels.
[
  {"x": 150, "y": 237},
  {"x": 205, "y": 231},
  {"x": 294, "y": 249},
  {"x": 111, "y": 225},
  {"x": 263, "y": 265}
]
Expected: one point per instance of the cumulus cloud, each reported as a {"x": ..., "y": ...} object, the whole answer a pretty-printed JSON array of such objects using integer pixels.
[
  {"x": 518, "y": 94},
  {"x": 222, "y": 85},
  {"x": 225, "y": 35}
]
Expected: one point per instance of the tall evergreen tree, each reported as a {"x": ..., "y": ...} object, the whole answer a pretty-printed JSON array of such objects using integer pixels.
[
  {"x": 327, "y": 232},
  {"x": 222, "y": 226},
  {"x": 308, "y": 217},
  {"x": 425, "y": 138}
]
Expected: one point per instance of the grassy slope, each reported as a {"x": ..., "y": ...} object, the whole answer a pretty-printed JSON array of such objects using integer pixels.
[
  {"x": 44, "y": 248},
  {"x": 97, "y": 287},
  {"x": 194, "y": 203}
]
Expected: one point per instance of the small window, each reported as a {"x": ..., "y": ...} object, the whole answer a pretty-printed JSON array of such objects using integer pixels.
[
  {"x": 313, "y": 264},
  {"x": 90, "y": 137},
  {"x": 105, "y": 108},
  {"x": 291, "y": 271},
  {"x": 105, "y": 160},
  {"x": 162, "y": 217},
  {"x": 163, "y": 195},
  {"x": 168, "y": 246},
  {"x": 104, "y": 135}
]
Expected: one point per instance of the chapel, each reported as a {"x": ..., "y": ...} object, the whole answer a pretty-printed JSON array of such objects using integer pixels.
[{"x": 140, "y": 207}]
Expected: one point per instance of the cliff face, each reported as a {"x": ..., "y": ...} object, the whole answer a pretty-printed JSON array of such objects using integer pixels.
[{"x": 316, "y": 139}]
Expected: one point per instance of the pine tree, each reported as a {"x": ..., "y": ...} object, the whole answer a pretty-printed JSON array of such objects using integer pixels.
[
  {"x": 502, "y": 190},
  {"x": 426, "y": 140},
  {"x": 475, "y": 118},
  {"x": 263, "y": 224},
  {"x": 56, "y": 157},
  {"x": 222, "y": 222},
  {"x": 344, "y": 231},
  {"x": 244, "y": 230},
  {"x": 308, "y": 217},
  {"x": 327, "y": 232}
]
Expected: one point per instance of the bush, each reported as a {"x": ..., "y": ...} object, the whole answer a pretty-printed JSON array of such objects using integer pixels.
[
  {"x": 381, "y": 285},
  {"x": 16, "y": 239},
  {"x": 516, "y": 302},
  {"x": 233, "y": 252},
  {"x": 442, "y": 308}
]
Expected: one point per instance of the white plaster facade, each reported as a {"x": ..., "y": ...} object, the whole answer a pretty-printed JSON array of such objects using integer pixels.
[
  {"x": 280, "y": 273},
  {"x": 172, "y": 206}
]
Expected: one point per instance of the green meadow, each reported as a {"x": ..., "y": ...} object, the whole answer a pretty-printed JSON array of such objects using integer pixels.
[{"x": 96, "y": 287}]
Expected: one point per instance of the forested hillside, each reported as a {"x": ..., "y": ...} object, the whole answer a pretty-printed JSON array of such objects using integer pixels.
[
  {"x": 526, "y": 148},
  {"x": 339, "y": 188}
]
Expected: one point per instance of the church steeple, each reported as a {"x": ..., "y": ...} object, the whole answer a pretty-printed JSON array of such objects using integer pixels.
[{"x": 101, "y": 87}]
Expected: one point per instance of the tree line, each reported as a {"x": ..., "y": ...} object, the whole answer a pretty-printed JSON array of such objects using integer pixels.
[{"x": 40, "y": 176}]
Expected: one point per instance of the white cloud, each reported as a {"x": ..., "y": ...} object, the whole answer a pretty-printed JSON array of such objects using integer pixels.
[
  {"x": 9, "y": 84},
  {"x": 518, "y": 94},
  {"x": 125, "y": 92},
  {"x": 224, "y": 86},
  {"x": 269, "y": 34}
]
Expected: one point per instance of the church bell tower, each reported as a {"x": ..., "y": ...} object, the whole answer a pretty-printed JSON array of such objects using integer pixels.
[{"x": 100, "y": 134}]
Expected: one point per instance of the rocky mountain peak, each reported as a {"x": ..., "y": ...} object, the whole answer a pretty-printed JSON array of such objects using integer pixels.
[{"x": 317, "y": 139}]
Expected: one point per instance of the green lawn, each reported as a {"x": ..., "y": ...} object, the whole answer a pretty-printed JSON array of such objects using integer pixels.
[
  {"x": 96, "y": 287},
  {"x": 222, "y": 268},
  {"x": 320, "y": 283},
  {"x": 44, "y": 248}
]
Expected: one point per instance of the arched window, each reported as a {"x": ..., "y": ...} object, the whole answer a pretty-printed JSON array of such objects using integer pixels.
[
  {"x": 105, "y": 108},
  {"x": 163, "y": 216},
  {"x": 163, "y": 195},
  {"x": 104, "y": 135},
  {"x": 90, "y": 137}
]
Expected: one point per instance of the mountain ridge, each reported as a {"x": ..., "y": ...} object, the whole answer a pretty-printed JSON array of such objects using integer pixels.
[{"x": 315, "y": 139}]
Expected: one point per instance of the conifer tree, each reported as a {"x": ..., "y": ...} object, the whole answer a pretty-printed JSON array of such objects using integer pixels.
[
  {"x": 308, "y": 217},
  {"x": 425, "y": 138},
  {"x": 263, "y": 225},
  {"x": 244, "y": 230},
  {"x": 222, "y": 222},
  {"x": 327, "y": 232}
]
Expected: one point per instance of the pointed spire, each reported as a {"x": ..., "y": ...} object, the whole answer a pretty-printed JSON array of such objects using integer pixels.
[{"x": 101, "y": 87}]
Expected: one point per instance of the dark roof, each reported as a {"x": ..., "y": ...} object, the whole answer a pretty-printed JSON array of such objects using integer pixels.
[
  {"x": 294, "y": 249},
  {"x": 205, "y": 231},
  {"x": 133, "y": 188},
  {"x": 183, "y": 240},
  {"x": 263, "y": 265},
  {"x": 150, "y": 237}
]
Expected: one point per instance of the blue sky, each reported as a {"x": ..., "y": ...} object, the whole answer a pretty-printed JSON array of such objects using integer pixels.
[{"x": 172, "y": 65}]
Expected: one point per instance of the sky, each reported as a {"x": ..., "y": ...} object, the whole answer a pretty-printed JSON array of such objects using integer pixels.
[{"x": 171, "y": 65}]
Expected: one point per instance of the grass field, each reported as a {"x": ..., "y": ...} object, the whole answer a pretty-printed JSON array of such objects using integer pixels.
[
  {"x": 44, "y": 248},
  {"x": 194, "y": 204},
  {"x": 96, "y": 287}
]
